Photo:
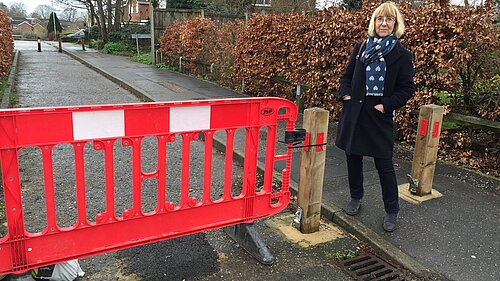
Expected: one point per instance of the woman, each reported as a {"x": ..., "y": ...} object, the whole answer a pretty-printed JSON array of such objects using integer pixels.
[{"x": 377, "y": 80}]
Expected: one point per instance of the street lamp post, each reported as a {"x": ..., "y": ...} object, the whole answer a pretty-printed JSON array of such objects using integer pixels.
[
  {"x": 152, "y": 30},
  {"x": 55, "y": 28},
  {"x": 153, "y": 4}
]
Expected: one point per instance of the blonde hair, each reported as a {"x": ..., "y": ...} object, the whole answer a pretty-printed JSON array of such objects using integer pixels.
[{"x": 388, "y": 9}]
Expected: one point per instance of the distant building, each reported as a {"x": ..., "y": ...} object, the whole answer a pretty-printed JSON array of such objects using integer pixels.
[
  {"x": 24, "y": 27},
  {"x": 135, "y": 11},
  {"x": 35, "y": 21},
  {"x": 14, "y": 21},
  {"x": 39, "y": 30}
]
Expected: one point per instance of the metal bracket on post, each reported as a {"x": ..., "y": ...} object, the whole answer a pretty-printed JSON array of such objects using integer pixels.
[
  {"x": 249, "y": 239},
  {"x": 296, "y": 136},
  {"x": 413, "y": 184},
  {"x": 300, "y": 135}
]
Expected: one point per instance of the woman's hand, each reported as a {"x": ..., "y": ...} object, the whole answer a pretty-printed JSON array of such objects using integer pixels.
[
  {"x": 346, "y": 97},
  {"x": 380, "y": 107}
]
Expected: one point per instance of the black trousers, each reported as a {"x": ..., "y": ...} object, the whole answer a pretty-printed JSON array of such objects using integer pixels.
[{"x": 387, "y": 175}]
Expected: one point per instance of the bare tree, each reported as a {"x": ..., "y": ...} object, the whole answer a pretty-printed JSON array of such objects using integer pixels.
[
  {"x": 35, "y": 15},
  {"x": 107, "y": 14},
  {"x": 69, "y": 14},
  {"x": 17, "y": 9},
  {"x": 102, "y": 20},
  {"x": 44, "y": 11}
]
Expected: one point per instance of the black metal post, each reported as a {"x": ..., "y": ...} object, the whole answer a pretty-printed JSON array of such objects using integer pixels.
[{"x": 39, "y": 45}]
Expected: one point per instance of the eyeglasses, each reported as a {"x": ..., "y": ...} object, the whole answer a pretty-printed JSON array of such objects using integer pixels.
[{"x": 388, "y": 20}]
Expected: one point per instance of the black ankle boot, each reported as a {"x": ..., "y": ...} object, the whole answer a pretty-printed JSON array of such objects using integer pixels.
[
  {"x": 390, "y": 222},
  {"x": 353, "y": 207}
]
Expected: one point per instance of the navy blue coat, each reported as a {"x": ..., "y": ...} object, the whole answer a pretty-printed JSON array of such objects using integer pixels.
[{"x": 362, "y": 129}]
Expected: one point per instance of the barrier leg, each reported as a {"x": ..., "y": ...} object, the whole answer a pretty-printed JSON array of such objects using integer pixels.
[{"x": 249, "y": 239}]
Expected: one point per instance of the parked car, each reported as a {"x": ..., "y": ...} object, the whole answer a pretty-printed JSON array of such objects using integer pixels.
[{"x": 79, "y": 34}]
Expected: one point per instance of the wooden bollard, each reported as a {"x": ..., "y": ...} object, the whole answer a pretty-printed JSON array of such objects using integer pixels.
[
  {"x": 312, "y": 168},
  {"x": 426, "y": 148}
]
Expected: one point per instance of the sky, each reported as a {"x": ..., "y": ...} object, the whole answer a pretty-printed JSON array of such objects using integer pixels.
[{"x": 30, "y": 4}]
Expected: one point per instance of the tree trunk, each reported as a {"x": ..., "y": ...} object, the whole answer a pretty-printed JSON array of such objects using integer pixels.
[
  {"x": 109, "y": 12},
  {"x": 118, "y": 14},
  {"x": 102, "y": 21}
]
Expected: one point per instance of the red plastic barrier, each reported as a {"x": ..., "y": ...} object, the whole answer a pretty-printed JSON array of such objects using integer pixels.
[{"x": 103, "y": 125}]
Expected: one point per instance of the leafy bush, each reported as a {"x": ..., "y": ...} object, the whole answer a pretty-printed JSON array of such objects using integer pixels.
[
  {"x": 486, "y": 97},
  {"x": 6, "y": 44},
  {"x": 116, "y": 48},
  {"x": 193, "y": 39},
  {"x": 456, "y": 57},
  {"x": 94, "y": 32},
  {"x": 202, "y": 40},
  {"x": 142, "y": 58},
  {"x": 124, "y": 35},
  {"x": 97, "y": 44},
  {"x": 166, "y": 66}
]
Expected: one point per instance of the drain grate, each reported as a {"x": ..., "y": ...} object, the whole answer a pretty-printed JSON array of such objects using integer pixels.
[{"x": 372, "y": 268}]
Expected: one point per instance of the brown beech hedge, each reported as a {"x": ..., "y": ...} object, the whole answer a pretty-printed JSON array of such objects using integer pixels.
[
  {"x": 452, "y": 49},
  {"x": 6, "y": 44}
]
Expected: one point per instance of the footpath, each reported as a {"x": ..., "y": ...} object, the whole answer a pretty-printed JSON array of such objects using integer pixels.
[{"x": 454, "y": 236}]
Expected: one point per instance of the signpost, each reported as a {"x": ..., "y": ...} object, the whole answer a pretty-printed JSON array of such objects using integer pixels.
[{"x": 140, "y": 36}]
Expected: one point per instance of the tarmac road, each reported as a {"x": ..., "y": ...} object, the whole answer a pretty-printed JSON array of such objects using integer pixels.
[{"x": 50, "y": 78}]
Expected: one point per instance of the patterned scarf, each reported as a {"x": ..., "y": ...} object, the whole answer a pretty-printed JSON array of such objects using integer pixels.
[{"x": 373, "y": 59}]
